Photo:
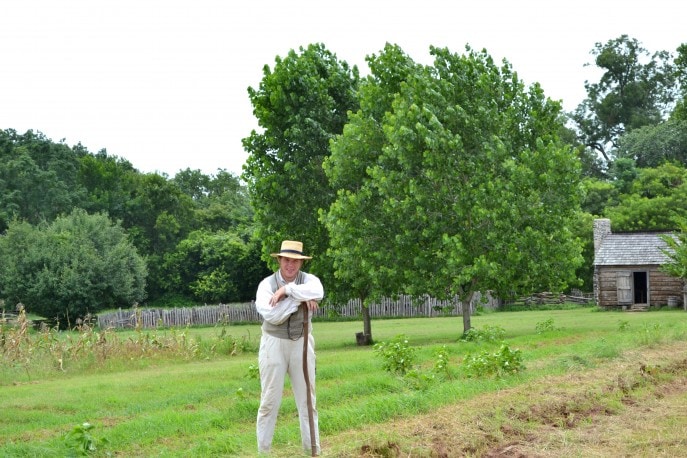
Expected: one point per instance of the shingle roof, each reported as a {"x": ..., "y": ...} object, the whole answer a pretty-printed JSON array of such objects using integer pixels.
[{"x": 639, "y": 248}]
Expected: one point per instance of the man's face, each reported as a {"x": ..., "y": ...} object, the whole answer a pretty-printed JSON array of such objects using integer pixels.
[{"x": 289, "y": 267}]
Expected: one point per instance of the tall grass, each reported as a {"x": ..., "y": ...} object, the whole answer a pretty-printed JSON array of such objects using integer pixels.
[{"x": 193, "y": 392}]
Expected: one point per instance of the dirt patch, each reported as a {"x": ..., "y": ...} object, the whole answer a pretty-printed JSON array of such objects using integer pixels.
[{"x": 635, "y": 405}]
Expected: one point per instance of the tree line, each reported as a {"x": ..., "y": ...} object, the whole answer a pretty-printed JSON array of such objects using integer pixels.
[
  {"x": 83, "y": 232},
  {"x": 443, "y": 179}
]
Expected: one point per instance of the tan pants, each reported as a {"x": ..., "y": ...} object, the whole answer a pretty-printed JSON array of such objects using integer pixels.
[{"x": 276, "y": 358}]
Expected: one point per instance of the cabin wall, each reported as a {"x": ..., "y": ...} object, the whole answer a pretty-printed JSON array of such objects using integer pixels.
[{"x": 661, "y": 285}]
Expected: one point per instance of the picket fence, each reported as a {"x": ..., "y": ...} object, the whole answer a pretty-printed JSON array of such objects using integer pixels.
[{"x": 209, "y": 315}]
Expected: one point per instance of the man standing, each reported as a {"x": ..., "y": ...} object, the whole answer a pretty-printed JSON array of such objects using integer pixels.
[{"x": 278, "y": 301}]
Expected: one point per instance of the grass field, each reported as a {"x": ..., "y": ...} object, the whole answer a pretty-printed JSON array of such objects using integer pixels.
[{"x": 583, "y": 368}]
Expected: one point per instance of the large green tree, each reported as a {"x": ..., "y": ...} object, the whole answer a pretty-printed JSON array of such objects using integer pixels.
[
  {"x": 475, "y": 190},
  {"x": 300, "y": 105},
  {"x": 41, "y": 180},
  {"x": 598, "y": 195},
  {"x": 630, "y": 94},
  {"x": 219, "y": 261},
  {"x": 76, "y": 265},
  {"x": 158, "y": 216}
]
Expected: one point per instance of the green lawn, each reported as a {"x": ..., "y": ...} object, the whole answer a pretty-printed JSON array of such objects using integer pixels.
[{"x": 183, "y": 406}]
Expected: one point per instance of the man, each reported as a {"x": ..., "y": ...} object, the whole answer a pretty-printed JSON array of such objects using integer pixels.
[{"x": 278, "y": 301}]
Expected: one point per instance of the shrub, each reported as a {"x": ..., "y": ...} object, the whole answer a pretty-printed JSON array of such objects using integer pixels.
[{"x": 76, "y": 265}]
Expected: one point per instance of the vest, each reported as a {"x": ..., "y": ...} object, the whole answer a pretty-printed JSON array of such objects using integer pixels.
[{"x": 292, "y": 327}]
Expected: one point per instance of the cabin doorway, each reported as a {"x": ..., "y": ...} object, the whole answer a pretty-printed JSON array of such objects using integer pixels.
[
  {"x": 641, "y": 287},
  {"x": 633, "y": 287}
]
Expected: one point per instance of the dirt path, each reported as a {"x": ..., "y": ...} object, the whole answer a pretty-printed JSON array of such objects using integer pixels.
[{"x": 633, "y": 406}]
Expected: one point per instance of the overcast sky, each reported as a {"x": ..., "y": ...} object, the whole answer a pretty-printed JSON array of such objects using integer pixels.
[{"x": 164, "y": 83}]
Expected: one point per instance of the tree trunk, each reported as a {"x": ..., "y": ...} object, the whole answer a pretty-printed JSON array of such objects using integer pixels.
[
  {"x": 466, "y": 311},
  {"x": 365, "y": 337}
]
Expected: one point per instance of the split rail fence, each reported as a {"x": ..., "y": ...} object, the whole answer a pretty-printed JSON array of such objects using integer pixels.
[{"x": 208, "y": 315}]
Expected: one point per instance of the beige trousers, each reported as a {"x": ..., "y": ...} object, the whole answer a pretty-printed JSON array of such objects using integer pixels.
[{"x": 276, "y": 358}]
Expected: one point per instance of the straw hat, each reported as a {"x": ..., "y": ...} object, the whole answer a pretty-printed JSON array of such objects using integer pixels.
[{"x": 291, "y": 249}]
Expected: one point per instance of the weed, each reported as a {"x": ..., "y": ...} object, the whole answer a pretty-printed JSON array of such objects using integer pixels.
[
  {"x": 418, "y": 380},
  {"x": 81, "y": 442},
  {"x": 503, "y": 362},
  {"x": 604, "y": 350},
  {"x": 650, "y": 334},
  {"x": 398, "y": 356},
  {"x": 545, "y": 326},
  {"x": 253, "y": 372},
  {"x": 49, "y": 349},
  {"x": 441, "y": 365},
  {"x": 623, "y": 325},
  {"x": 490, "y": 333}
]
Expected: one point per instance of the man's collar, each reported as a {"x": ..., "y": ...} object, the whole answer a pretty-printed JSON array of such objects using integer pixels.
[{"x": 281, "y": 280}]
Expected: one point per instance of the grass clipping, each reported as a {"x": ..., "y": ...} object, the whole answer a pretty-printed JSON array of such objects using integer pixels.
[{"x": 635, "y": 403}]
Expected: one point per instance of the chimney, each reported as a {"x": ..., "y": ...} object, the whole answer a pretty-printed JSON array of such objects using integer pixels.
[{"x": 602, "y": 228}]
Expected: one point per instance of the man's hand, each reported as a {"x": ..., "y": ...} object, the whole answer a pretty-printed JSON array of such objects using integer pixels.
[
  {"x": 277, "y": 296},
  {"x": 281, "y": 294},
  {"x": 312, "y": 305}
]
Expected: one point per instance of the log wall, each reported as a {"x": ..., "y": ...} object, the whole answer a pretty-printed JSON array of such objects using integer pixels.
[{"x": 661, "y": 285}]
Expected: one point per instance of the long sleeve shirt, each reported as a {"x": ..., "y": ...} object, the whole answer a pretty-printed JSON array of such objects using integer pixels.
[{"x": 308, "y": 287}]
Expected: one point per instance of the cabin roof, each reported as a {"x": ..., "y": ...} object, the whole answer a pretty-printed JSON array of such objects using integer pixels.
[{"x": 639, "y": 248}]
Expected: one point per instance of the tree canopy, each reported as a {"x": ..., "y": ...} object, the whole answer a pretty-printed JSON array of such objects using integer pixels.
[
  {"x": 654, "y": 198},
  {"x": 677, "y": 250},
  {"x": 651, "y": 146},
  {"x": 38, "y": 178}
]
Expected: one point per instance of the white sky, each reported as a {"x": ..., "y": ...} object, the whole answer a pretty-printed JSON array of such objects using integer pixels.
[{"x": 163, "y": 83}]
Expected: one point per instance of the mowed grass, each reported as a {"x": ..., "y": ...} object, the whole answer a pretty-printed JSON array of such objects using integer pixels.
[{"x": 177, "y": 407}]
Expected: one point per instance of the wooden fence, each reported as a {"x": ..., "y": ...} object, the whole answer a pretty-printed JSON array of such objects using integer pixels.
[
  {"x": 403, "y": 306},
  {"x": 575, "y": 297}
]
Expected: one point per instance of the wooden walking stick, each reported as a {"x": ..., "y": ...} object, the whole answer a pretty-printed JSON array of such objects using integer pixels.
[{"x": 308, "y": 389}]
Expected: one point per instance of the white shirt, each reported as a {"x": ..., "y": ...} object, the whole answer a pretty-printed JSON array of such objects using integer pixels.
[{"x": 310, "y": 289}]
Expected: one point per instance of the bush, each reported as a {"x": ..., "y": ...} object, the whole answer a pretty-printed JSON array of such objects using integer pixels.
[{"x": 77, "y": 265}]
